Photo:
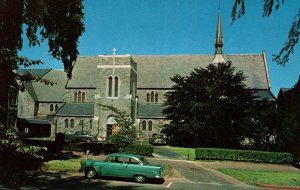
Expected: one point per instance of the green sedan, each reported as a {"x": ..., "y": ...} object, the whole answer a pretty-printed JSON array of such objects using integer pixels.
[{"x": 123, "y": 165}]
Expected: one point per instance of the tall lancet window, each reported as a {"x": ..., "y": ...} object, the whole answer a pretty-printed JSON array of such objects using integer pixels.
[
  {"x": 116, "y": 86},
  {"x": 110, "y": 86},
  {"x": 79, "y": 96},
  {"x": 152, "y": 96},
  {"x": 75, "y": 97},
  {"x": 83, "y": 97},
  {"x": 156, "y": 97}
]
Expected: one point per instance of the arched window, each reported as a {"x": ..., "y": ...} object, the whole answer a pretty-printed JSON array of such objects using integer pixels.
[
  {"x": 144, "y": 126},
  {"x": 79, "y": 96},
  {"x": 148, "y": 97},
  {"x": 91, "y": 124},
  {"x": 110, "y": 86},
  {"x": 152, "y": 96},
  {"x": 75, "y": 97},
  {"x": 51, "y": 107},
  {"x": 72, "y": 123},
  {"x": 116, "y": 86},
  {"x": 150, "y": 126},
  {"x": 83, "y": 97},
  {"x": 156, "y": 97},
  {"x": 56, "y": 107},
  {"x": 66, "y": 123},
  {"x": 81, "y": 124}
]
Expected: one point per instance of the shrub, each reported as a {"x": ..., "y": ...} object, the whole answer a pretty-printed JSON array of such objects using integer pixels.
[
  {"x": 141, "y": 149},
  {"x": 243, "y": 155},
  {"x": 93, "y": 147}
]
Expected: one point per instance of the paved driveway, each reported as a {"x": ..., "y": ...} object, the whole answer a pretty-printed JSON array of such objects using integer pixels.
[
  {"x": 164, "y": 152},
  {"x": 188, "y": 175}
]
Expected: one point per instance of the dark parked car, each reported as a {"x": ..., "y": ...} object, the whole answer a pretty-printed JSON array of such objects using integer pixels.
[
  {"x": 80, "y": 136},
  {"x": 123, "y": 165},
  {"x": 157, "y": 139}
]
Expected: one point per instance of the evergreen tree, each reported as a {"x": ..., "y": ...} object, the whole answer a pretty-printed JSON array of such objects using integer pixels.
[{"x": 209, "y": 107}]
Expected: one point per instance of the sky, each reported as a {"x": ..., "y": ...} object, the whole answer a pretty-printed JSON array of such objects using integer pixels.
[{"x": 176, "y": 27}]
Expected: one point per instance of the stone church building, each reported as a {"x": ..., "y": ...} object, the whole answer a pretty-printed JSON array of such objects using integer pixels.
[{"x": 132, "y": 83}]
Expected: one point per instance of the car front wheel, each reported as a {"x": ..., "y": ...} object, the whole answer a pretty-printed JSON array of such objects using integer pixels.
[
  {"x": 139, "y": 178},
  {"x": 90, "y": 173}
]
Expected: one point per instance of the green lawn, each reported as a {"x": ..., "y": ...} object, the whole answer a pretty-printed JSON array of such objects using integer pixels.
[
  {"x": 188, "y": 152},
  {"x": 71, "y": 165},
  {"x": 253, "y": 177}
]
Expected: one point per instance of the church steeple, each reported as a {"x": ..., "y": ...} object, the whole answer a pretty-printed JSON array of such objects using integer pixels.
[
  {"x": 219, "y": 43},
  {"x": 219, "y": 38}
]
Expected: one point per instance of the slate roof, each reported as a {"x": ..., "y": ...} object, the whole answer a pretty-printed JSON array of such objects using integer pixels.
[
  {"x": 76, "y": 109},
  {"x": 284, "y": 90},
  {"x": 38, "y": 73},
  {"x": 150, "y": 110},
  {"x": 46, "y": 93},
  {"x": 264, "y": 94},
  {"x": 29, "y": 88},
  {"x": 84, "y": 73},
  {"x": 155, "y": 71},
  {"x": 35, "y": 121}
]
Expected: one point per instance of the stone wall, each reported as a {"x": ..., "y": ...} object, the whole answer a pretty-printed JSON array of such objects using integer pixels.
[
  {"x": 142, "y": 94},
  {"x": 89, "y": 94},
  {"x": 61, "y": 128},
  {"x": 156, "y": 127},
  {"x": 26, "y": 105},
  {"x": 124, "y": 69},
  {"x": 44, "y": 108}
]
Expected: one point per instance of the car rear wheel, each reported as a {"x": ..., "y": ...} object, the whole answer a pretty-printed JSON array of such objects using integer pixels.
[
  {"x": 90, "y": 173},
  {"x": 139, "y": 178}
]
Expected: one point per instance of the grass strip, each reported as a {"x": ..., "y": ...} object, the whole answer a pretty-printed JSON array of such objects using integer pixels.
[
  {"x": 253, "y": 177},
  {"x": 62, "y": 166}
]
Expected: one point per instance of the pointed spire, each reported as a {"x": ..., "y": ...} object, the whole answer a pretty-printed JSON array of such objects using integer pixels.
[
  {"x": 219, "y": 38},
  {"x": 219, "y": 43}
]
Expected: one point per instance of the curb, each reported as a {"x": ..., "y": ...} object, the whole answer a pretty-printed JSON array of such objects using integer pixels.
[{"x": 278, "y": 187}]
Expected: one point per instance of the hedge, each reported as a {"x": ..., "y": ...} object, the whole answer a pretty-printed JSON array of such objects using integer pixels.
[
  {"x": 243, "y": 155},
  {"x": 99, "y": 147},
  {"x": 141, "y": 149}
]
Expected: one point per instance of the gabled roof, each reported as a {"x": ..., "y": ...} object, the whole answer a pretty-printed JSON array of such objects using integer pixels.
[
  {"x": 31, "y": 91},
  {"x": 35, "y": 121},
  {"x": 264, "y": 95},
  {"x": 155, "y": 71},
  {"x": 283, "y": 92},
  {"x": 42, "y": 92},
  {"x": 38, "y": 73},
  {"x": 84, "y": 73},
  {"x": 76, "y": 109},
  {"x": 48, "y": 93}
]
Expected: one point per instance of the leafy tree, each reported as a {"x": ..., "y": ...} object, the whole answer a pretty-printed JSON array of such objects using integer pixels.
[
  {"x": 265, "y": 126},
  {"x": 126, "y": 132},
  {"x": 282, "y": 57},
  {"x": 13, "y": 155},
  {"x": 59, "y": 22},
  {"x": 210, "y": 107},
  {"x": 289, "y": 107}
]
